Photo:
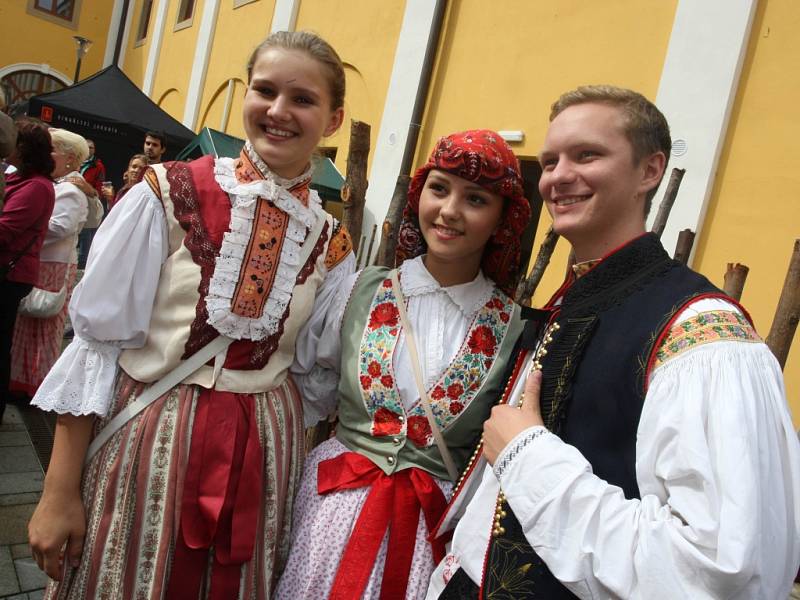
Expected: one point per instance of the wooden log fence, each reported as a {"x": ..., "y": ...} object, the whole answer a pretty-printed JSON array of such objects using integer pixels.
[
  {"x": 735, "y": 276},
  {"x": 354, "y": 191},
  {"x": 660, "y": 222},
  {"x": 787, "y": 313}
]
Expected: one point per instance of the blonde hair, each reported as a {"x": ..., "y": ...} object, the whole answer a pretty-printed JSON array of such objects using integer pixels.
[
  {"x": 70, "y": 143},
  {"x": 645, "y": 126},
  {"x": 316, "y": 48}
]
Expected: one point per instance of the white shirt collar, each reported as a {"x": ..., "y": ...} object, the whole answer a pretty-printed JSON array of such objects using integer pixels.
[{"x": 468, "y": 297}]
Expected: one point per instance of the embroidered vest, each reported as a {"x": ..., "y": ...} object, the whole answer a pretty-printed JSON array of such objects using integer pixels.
[
  {"x": 594, "y": 384},
  {"x": 372, "y": 419},
  {"x": 198, "y": 214}
]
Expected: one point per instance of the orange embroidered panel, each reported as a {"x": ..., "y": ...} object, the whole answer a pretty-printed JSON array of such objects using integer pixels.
[
  {"x": 261, "y": 259},
  {"x": 152, "y": 180},
  {"x": 341, "y": 245},
  {"x": 703, "y": 328}
]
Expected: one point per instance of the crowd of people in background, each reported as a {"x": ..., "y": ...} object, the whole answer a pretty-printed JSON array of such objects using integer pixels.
[{"x": 39, "y": 273}]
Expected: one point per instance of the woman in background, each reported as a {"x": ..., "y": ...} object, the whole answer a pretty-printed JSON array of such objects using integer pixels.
[
  {"x": 37, "y": 341},
  {"x": 23, "y": 225}
]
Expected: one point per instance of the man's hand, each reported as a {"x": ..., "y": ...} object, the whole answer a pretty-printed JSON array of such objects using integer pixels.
[{"x": 507, "y": 421}]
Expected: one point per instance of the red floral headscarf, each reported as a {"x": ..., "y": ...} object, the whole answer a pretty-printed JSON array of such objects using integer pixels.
[{"x": 483, "y": 157}]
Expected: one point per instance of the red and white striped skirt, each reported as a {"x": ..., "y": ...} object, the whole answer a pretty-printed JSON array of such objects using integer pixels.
[{"x": 132, "y": 491}]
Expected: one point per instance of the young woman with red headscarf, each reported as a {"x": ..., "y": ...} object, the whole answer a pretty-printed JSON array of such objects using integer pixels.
[{"x": 384, "y": 471}]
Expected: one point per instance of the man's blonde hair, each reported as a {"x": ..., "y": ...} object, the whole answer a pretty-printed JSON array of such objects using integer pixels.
[{"x": 645, "y": 126}]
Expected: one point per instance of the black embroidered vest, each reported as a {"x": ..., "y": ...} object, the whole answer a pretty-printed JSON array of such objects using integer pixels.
[{"x": 593, "y": 388}]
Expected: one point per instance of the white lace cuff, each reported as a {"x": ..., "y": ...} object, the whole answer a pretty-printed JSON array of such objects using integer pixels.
[{"x": 82, "y": 380}]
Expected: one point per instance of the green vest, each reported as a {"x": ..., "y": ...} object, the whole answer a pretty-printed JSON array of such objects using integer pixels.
[{"x": 372, "y": 419}]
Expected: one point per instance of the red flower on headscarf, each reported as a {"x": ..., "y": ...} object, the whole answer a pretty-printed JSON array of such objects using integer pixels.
[
  {"x": 456, "y": 407},
  {"x": 482, "y": 340},
  {"x": 419, "y": 430},
  {"x": 454, "y": 390},
  {"x": 385, "y": 314},
  {"x": 366, "y": 381},
  {"x": 437, "y": 393},
  {"x": 386, "y": 422},
  {"x": 504, "y": 317},
  {"x": 387, "y": 381},
  {"x": 374, "y": 368}
]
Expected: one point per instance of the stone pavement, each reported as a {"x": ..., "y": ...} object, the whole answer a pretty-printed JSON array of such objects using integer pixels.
[{"x": 21, "y": 479}]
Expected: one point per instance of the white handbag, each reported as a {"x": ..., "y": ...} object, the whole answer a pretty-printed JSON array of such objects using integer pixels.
[{"x": 43, "y": 304}]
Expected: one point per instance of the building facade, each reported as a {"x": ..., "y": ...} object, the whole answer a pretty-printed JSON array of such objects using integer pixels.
[{"x": 723, "y": 71}]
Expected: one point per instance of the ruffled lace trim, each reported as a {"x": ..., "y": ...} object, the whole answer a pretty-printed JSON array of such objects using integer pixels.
[
  {"x": 234, "y": 246},
  {"x": 82, "y": 380}
]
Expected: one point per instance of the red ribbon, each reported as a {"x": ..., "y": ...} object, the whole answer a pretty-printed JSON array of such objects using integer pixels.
[
  {"x": 394, "y": 502},
  {"x": 221, "y": 497}
]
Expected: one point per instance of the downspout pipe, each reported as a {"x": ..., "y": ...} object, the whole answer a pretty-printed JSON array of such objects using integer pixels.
[
  {"x": 388, "y": 244},
  {"x": 121, "y": 31}
]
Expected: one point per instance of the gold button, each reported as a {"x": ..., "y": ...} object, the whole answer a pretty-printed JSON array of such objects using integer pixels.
[
  {"x": 396, "y": 441},
  {"x": 390, "y": 460}
]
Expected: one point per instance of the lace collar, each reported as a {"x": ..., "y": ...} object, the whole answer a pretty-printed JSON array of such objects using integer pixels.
[
  {"x": 468, "y": 297},
  {"x": 243, "y": 193}
]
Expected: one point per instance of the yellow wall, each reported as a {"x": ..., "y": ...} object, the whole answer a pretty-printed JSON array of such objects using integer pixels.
[
  {"x": 25, "y": 38},
  {"x": 176, "y": 57},
  {"x": 754, "y": 212},
  {"x": 365, "y": 36},
  {"x": 502, "y": 64},
  {"x": 135, "y": 61},
  {"x": 237, "y": 33}
]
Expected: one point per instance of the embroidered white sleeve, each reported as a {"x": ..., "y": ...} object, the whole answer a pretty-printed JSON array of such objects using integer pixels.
[
  {"x": 718, "y": 468},
  {"x": 319, "y": 346},
  {"x": 111, "y": 306}
]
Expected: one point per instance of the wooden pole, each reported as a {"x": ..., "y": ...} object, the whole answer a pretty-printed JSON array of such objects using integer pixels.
[
  {"x": 391, "y": 224},
  {"x": 787, "y": 314},
  {"x": 371, "y": 242},
  {"x": 735, "y": 276},
  {"x": 354, "y": 191},
  {"x": 660, "y": 222},
  {"x": 528, "y": 285},
  {"x": 360, "y": 252},
  {"x": 684, "y": 246}
]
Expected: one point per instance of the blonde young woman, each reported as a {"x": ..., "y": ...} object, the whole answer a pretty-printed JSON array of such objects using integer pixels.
[{"x": 37, "y": 341}]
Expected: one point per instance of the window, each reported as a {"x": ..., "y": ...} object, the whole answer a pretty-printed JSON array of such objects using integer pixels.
[
  {"x": 185, "y": 14},
  {"x": 21, "y": 85},
  {"x": 60, "y": 12},
  {"x": 144, "y": 20},
  {"x": 63, "y": 9}
]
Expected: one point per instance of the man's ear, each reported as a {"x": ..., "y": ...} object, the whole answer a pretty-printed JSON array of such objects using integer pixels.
[
  {"x": 337, "y": 118},
  {"x": 652, "y": 171}
]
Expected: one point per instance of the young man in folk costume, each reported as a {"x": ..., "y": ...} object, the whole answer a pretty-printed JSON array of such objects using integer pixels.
[{"x": 653, "y": 456}]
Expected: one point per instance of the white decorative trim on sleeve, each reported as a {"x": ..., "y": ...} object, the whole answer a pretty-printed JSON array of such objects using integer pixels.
[
  {"x": 515, "y": 447},
  {"x": 82, "y": 380}
]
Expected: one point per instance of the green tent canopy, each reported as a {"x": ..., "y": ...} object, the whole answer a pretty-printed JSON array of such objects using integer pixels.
[{"x": 326, "y": 178}]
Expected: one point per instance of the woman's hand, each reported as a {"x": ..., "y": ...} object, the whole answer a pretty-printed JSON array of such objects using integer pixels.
[
  {"x": 58, "y": 525},
  {"x": 83, "y": 185},
  {"x": 58, "y": 520},
  {"x": 507, "y": 421}
]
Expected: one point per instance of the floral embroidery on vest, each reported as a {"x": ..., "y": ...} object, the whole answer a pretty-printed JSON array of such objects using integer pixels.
[
  {"x": 701, "y": 329},
  {"x": 456, "y": 387}
]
